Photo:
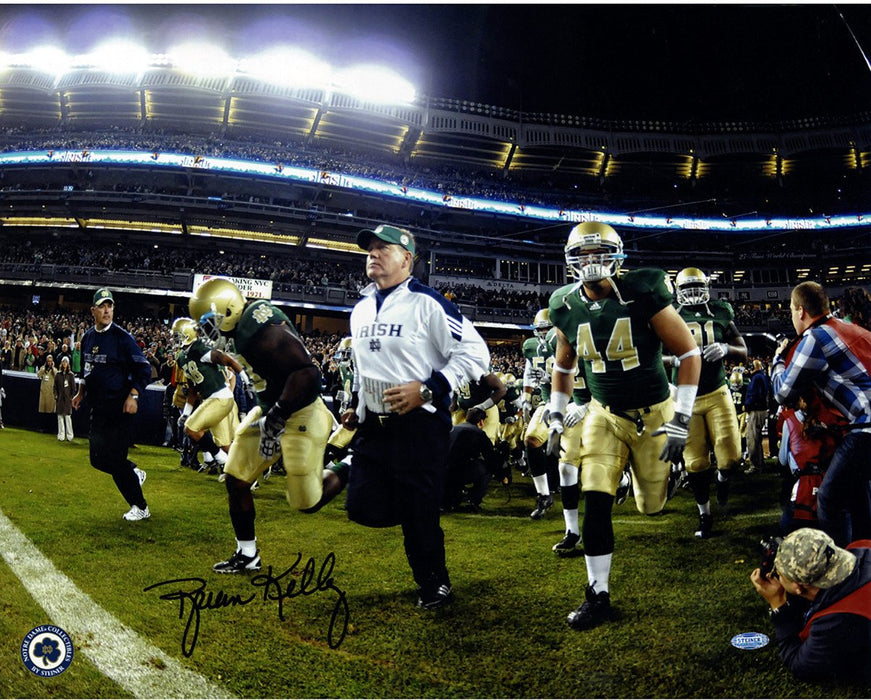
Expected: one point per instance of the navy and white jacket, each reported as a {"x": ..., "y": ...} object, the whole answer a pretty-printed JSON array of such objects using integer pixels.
[
  {"x": 113, "y": 364},
  {"x": 409, "y": 333}
]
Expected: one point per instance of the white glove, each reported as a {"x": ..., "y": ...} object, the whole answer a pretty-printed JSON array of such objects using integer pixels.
[
  {"x": 715, "y": 352},
  {"x": 271, "y": 427},
  {"x": 575, "y": 414},
  {"x": 527, "y": 411},
  {"x": 343, "y": 399},
  {"x": 554, "y": 434},
  {"x": 676, "y": 432},
  {"x": 248, "y": 388}
]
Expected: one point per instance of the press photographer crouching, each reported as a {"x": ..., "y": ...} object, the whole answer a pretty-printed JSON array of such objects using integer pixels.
[{"x": 820, "y": 599}]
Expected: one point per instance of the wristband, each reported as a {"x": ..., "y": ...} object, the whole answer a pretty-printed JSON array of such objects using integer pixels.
[
  {"x": 559, "y": 401},
  {"x": 686, "y": 397},
  {"x": 487, "y": 404},
  {"x": 135, "y": 397}
]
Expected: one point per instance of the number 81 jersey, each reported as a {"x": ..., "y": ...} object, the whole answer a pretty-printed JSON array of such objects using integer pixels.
[
  {"x": 621, "y": 352},
  {"x": 708, "y": 326}
]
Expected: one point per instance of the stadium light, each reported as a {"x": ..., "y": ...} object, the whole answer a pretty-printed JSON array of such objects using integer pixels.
[
  {"x": 47, "y": 59},
  {"x": 374, "y": 84},
  {"x": 205, "y": 60},
  {"x": 116, "y": 56},
  {"x": 290, "y": 67}
]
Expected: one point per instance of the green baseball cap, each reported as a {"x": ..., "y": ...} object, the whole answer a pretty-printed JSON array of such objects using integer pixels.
[
  {"x": 388, "y": 234},
  {"x": 102, "y": 295},
  {"x": 810, "y": 556}
]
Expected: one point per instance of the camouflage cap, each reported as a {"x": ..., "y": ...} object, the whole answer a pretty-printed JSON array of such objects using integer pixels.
[
  {"x": 811, "y": 557},
  {"x": 388, "y": 234},
  {"x": 102, "y": 295}
]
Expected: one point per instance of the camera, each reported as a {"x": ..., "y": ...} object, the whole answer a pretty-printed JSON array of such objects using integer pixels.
[{"x": 768, "y": 548}]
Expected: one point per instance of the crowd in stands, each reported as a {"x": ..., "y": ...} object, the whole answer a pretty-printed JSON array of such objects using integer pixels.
[
  {"x": 292, "y": 271},
  {"x": 28, "y": 337}
]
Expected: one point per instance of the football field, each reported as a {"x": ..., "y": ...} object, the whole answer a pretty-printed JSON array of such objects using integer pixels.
[{"x": 332, "y": 612}]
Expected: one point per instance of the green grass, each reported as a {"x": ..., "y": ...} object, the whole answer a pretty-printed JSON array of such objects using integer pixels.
[{"x": 680, "y": 600}]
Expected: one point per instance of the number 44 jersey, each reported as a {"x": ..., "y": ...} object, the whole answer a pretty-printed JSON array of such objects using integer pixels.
[{"x": 621, "y": 352}]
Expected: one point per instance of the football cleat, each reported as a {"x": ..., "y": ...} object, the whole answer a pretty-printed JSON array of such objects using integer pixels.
[
  {"x": 238, "y": 564},
  {"x": 438, "y": 598},
  {"x": 141, "y": 475},
  {"x": 137, "y": 513},
  {"x": 569, "y": 543},
  {"x": 623, "y": 487},
  {"x": 542, "y": 503},
  {"x": 595, "y": 610},
  {"x": 706, "y": 521}
]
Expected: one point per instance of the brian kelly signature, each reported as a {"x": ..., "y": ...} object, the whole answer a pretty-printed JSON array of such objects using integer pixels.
[{"x": 193, "y": 597}]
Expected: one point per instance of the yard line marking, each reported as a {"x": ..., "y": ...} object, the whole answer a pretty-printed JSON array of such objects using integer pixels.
[{"x": 116, "y": 650}]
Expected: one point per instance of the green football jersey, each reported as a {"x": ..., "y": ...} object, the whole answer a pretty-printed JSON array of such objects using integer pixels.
[
  {"x": 622, "y": 354},
  {"x": 708, "y": 328},
  {"x": 206, "y": 377},
  {"x": 539, "y": 352},
  {"x": 258, "y": 314}
]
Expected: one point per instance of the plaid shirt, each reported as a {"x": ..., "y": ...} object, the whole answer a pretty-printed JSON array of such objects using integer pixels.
[{"x": 832, "y": 356}]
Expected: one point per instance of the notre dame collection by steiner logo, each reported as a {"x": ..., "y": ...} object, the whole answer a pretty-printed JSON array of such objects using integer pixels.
[{"x": 47, "y": 651}]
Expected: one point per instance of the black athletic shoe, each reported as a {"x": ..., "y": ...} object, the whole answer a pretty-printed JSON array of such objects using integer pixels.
[
  {"x": 706, "y": 521},
  {"x": 434, "y": 599},
  {"x": 238, "y": 564},
  {"x": 569, "y": 543},
  {"x": 542, "y": 503},
  {"x": 595, "y": 610}
]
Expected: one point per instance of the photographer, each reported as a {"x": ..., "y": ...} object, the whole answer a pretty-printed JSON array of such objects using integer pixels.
[{"x": 820, "y": 603}]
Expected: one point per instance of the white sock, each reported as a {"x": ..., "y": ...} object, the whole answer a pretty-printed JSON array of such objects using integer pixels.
[
  {"x": 221, "y": 457},
  {"x": 704, "y": 508},
  {"x": 598, "y": 571},
  {"x": 541, "y": 486},
  {"x": 247, "y": 547},
  {"x": 571, "y": 518}
]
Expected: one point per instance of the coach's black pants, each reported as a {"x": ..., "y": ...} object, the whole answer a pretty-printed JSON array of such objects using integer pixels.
[
  {"x": 397, "y": 478},
  {"x": 109, "y": 441}
]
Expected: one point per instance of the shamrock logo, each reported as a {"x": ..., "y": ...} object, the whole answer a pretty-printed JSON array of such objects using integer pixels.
[{"x": 48, "y": 649}]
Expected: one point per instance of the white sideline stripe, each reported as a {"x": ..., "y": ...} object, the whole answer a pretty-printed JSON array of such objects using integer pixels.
[{"x": 115, "y": 649}]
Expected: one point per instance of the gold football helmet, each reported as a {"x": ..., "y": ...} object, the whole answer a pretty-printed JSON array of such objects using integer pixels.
[
  {"x": 217, "y": 305},
  {"x": 594, "y": 251},
  {"x": 736, "y": 381},
  {"x": 691, "y": 287},
  {"x": 541, "y": 323},
  {"x": 343, "y": 352},
  {"x": 184, "y": 332},
  {"x": 510, "y": 380}
]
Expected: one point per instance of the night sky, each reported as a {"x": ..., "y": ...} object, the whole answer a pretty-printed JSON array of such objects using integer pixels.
[{"x": 684, "y": 63}]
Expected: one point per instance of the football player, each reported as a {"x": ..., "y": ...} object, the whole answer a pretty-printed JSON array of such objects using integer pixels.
[
  {"x": 511, "y": 421},
  {"x": 484, "y": 393},
  {"x": 291, "y": 420},
  {"x": 570, "y": 462},
  {"x": 210, "y": 426},
  {"x": 340, "y": 439},
  {"x": 617, "y": 326},
  {"x": 714, "y": 423},
  {"x": 538, "y": 352}
]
